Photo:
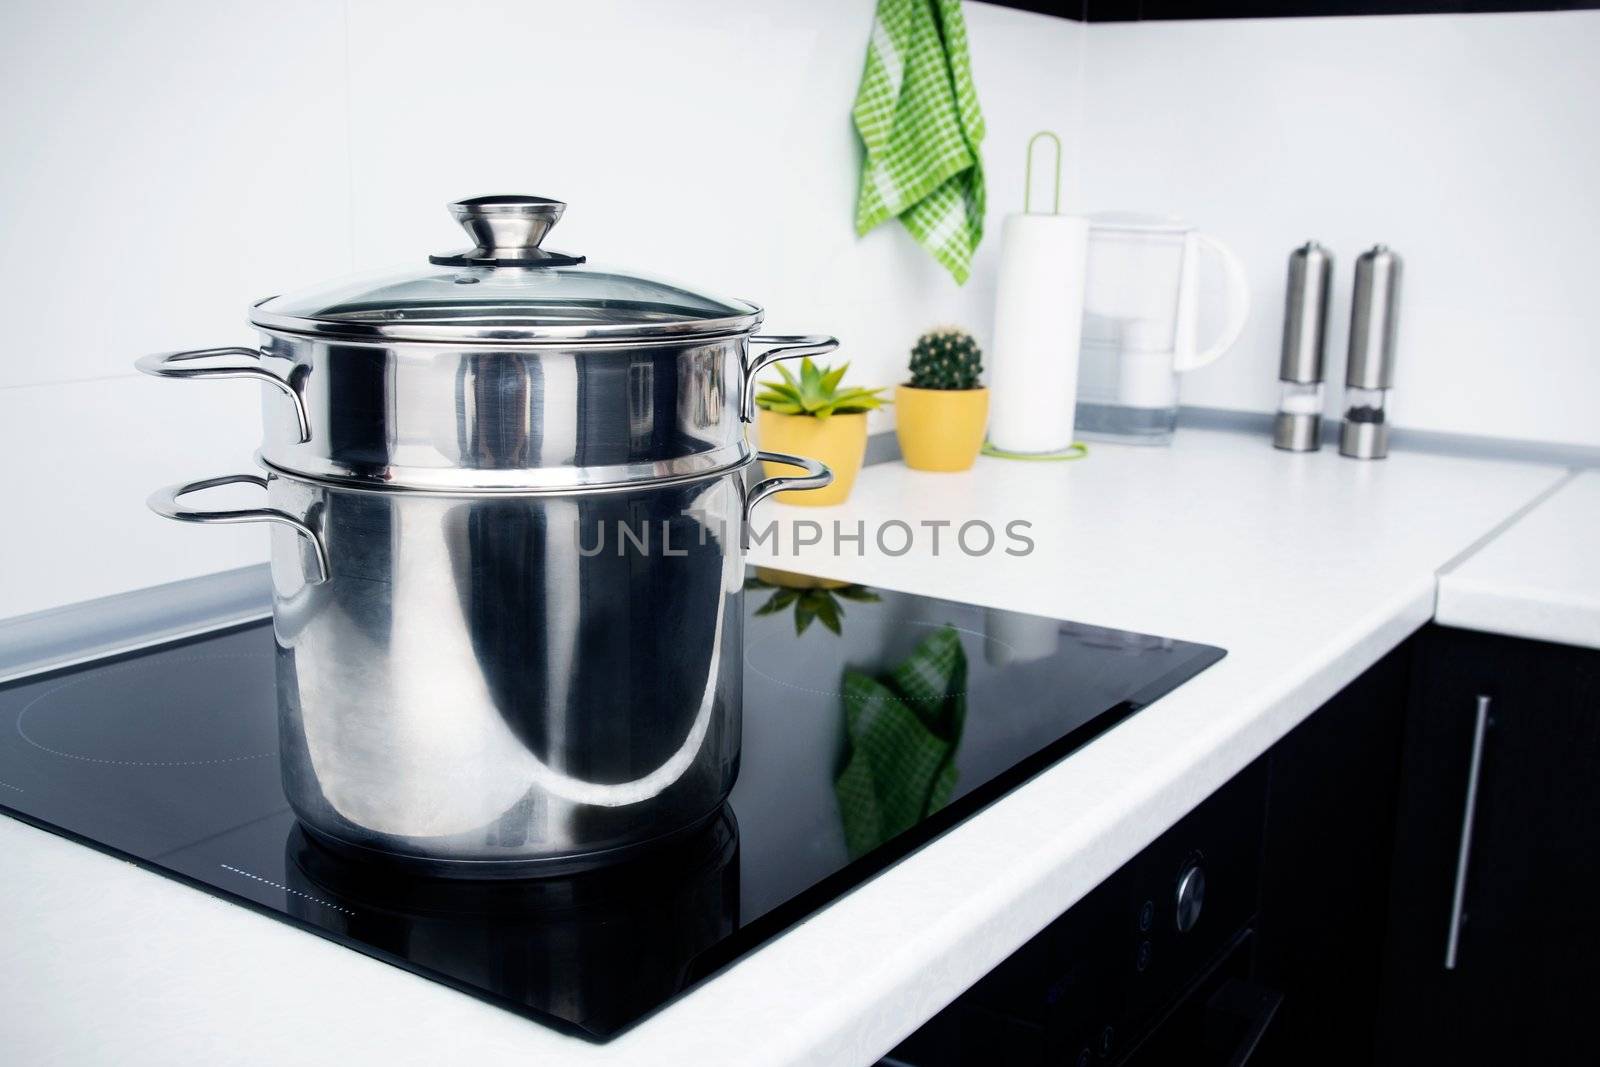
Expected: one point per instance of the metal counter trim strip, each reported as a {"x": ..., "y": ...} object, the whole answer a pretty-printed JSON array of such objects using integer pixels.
[
  {"x": 1435, "y": 442},
  {"x": 57, "y": 638}
]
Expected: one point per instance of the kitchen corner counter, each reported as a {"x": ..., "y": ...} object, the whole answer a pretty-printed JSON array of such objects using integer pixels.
[
  {"x": 1306, "y": 568},
  {"x": 1539, "y": 579}
]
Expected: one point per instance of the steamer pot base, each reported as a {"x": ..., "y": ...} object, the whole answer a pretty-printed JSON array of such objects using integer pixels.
[{"x": 508, "y": 870}]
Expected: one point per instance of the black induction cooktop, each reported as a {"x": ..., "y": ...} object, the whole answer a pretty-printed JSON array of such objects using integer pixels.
[{"x": 873, "y": 722}]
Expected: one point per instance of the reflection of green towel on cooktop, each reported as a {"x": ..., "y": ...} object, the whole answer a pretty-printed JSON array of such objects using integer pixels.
[{"x": 903, "y": 732}]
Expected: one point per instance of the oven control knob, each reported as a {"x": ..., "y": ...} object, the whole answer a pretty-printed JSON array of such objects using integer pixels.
[{"x": 1191, "y": 894}]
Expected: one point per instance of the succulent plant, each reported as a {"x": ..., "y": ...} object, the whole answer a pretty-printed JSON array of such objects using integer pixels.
[
  {"x": 945, "y": 357},
  {"x": 816, "y": 393}
]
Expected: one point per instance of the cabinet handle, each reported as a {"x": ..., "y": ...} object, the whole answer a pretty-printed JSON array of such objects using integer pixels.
[{"x": 1459, "y": 898}]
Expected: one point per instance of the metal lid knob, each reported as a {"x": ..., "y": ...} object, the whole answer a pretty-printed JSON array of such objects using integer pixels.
[
  {"x": 506, "y": 232},
  {"x": 503, "y": 226}
]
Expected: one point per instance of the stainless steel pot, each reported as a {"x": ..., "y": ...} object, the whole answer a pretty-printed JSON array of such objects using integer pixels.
[
  {"x": 490, "y": 684},
  {"x": 502, "y": 368},
  {"x": 509, "y": 494}
]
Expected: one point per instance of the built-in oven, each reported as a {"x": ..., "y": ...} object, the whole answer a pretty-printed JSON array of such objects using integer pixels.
[{"x": 1151, "y": 967}]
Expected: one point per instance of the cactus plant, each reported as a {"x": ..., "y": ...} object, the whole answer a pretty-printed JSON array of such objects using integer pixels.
[
  {"x": 946, "y": 358},
  {"x": 941, "y": 413}
]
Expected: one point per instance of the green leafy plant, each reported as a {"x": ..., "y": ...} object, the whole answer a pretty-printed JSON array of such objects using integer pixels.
[
  {"x": 816, "y": 393},
  {"x": 812, "y": 605},
  {"x": 946, "y": 358}
]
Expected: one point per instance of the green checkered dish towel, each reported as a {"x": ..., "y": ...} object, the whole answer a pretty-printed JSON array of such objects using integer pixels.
[{"x": 917, "y": 113}]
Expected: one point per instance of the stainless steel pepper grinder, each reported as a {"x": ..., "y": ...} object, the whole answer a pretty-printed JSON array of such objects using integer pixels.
[
  {"x": 1298, "y": 427},
  {"x": 1369, "y": 373}
]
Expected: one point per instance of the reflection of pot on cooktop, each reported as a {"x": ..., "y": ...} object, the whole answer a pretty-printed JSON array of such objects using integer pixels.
[{"x": 595, "y": 950}]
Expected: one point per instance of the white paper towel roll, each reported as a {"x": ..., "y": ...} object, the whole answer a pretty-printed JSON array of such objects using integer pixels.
[{"x": 1038, "y": 317}]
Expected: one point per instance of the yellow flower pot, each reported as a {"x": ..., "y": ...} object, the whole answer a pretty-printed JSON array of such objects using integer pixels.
[
  {"x": 940, "y": 429},
  {"x": 839, "y": 441}
]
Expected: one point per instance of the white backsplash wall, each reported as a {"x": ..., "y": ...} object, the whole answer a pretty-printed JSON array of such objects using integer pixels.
[
  {"x": 169, "y": 162},
  {"x": 1468, "y": 144},
  {"x": 165, "y": 164},
  {"x": 702, "y": 140}
]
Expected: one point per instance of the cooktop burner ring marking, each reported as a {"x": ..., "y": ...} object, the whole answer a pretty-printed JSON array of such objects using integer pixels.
[
  {"x": 80, "y": 678},
  {"x": 286, "y": 889},
  {"x": 837, "y": 691},
  {"x": 8, "y": 785}
]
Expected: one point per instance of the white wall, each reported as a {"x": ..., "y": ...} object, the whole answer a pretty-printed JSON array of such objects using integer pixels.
[
  {"x": 1469, "y": 144},
  {"x": 703, "y": 140},
  {"x": 164, "y": 165},
  {"x": 168, "y": 163}
]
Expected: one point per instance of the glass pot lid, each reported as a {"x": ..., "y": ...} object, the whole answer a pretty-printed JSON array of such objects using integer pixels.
[{"x": 505, "y": 288}]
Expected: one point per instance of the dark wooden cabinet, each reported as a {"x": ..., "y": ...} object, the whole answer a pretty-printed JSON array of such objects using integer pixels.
[
  {"x": 1325, "y": 867},
  {"x": 1523, "y": 982}
]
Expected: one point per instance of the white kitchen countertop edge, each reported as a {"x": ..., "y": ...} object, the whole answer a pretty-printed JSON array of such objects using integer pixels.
[{"x": 1540, "y": 578}]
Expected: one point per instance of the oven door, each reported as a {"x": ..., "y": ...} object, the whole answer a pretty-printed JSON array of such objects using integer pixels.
[{"x": 1223, "y": 1020}]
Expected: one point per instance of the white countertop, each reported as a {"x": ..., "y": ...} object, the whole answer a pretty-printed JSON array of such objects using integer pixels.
[
  {"x": 1540, "y": 578},
  {"x": 1306, "y": 568}
]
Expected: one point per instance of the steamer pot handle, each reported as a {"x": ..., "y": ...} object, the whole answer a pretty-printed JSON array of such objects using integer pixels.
[
  {"x": 165, "y": 502},
  {"x": 787, "y": 347},
  {"x": 246, "y": 363},
  {"x": 816, "y": 477}
]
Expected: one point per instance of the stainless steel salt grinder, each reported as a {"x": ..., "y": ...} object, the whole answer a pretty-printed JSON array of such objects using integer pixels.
[
  {"x": 1298, "y": 427},
  {"x": 1369, "y": 373}
]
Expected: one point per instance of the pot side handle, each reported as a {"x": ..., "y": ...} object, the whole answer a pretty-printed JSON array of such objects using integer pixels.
[
  {"x": 817, "y": 476},
  {"x": 165, "y": 502},
  {"x": 242, "y": 363},
  {"x": 786, "y": 347}
]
